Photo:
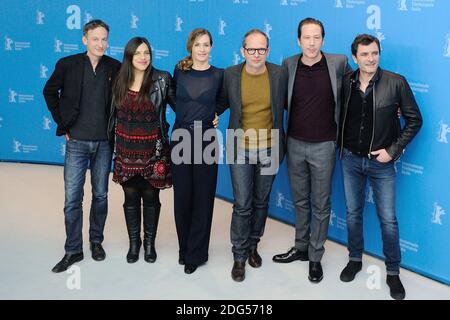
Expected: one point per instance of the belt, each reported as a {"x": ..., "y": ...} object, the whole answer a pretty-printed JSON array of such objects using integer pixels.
[
  {"x": 359, "y": 153},
  {"x": 192, "y": 125}
]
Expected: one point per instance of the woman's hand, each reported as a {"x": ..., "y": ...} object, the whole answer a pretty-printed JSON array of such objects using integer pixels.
[{"x": 216, "y": 121}]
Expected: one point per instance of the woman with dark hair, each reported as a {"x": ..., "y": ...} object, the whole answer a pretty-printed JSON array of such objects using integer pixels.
[
  {"x": 197, "y": 89},
  {"x": 142, "y": 153}
]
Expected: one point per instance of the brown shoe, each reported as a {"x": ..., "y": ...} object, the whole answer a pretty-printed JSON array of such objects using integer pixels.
[
  {"x": 254, "y": 259},
  {"x": 238, "y": 271}
]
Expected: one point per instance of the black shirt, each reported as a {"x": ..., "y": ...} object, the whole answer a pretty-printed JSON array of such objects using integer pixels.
[
  {"x": 91, "y": 123},
  {"x": 359, "y": 123},
  {"x": 196, "y": 94},
  {"x": 312, "y": 112}
]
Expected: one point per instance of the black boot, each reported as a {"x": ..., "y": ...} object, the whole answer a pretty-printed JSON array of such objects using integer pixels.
[
  {"x": 396, "y": 287},
  {"x": 133, "y": 221},
  {"x": 151, "y": 218}
]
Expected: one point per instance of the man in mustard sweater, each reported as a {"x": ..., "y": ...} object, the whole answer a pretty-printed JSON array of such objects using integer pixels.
[{"x": 255, "y": 91}]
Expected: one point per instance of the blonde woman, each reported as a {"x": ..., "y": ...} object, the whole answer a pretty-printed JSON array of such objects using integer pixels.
[{"x": 197, "y": 88}]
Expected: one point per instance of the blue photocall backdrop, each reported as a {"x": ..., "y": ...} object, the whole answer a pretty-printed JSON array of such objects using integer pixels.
[{"x": 415, "y": 38}]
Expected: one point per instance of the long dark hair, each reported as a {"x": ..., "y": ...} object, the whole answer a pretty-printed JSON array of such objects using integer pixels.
[
  {"x": 125, "y": 76},
  {"x": 186, "y": 63}
]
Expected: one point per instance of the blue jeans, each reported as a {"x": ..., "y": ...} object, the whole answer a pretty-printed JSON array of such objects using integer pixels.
[
  {"x": 251, "y": 191},
  {"x": 79, "y": 156},
  {"x": 355, "y": 171}
]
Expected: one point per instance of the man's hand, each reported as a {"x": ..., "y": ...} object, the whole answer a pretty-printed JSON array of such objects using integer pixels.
[
  {"x": 67, "y": 137},
  {"x": 216, "y": 121},
  {"x": 382, "y": 155}
]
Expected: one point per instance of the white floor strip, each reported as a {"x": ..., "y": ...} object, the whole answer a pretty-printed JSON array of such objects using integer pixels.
[{"x": 32, "y": 238}]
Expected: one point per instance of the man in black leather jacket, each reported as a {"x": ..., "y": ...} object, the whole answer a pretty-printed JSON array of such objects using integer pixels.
[
  {"x": 78, "y": 95},
  {"x": 371, "y": 139}
]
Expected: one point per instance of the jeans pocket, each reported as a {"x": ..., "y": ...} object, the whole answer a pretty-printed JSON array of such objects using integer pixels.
[
  {"x": 346, "y": 153},
  {"x": 265, "y": 157},
  {"x": 72, "y": 140},
  {"x": 71, "y": 143},
  {"x": 266, "y": 162},
  {"x": 382, "y": 164}
]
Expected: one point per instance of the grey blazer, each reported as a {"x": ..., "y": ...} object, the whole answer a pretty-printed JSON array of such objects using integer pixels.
[
  {"x": 337, "y": 67},
  {"x": 230, "y": 97}
]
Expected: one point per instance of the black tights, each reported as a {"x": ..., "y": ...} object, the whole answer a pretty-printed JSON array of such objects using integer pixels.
[{"x": 135, "y": 192}]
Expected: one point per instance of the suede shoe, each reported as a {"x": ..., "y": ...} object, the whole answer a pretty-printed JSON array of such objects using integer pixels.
[
  {"x": 67, "y": 261},
  {"x": 292, "y": 255},
  {"x": 350, "y": 271},
  {"x": 254, "y": 259},
  {"x": 396, "y": 288},
  {"x": 98, "y": 254}
]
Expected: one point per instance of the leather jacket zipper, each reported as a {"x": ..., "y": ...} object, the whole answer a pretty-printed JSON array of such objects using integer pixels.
[
  {"x": 345, "y": 117},
  {"x": 369, "y": 155}
]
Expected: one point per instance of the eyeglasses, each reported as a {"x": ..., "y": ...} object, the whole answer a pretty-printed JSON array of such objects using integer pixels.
[{"x": 252, "y": 51}]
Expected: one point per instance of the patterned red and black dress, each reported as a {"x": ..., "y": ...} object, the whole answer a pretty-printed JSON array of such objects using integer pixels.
[{"x": 139, "y": 151}]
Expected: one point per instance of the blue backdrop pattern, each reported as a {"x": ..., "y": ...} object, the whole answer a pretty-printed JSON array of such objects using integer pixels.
[{"x": 415, "y": 37}]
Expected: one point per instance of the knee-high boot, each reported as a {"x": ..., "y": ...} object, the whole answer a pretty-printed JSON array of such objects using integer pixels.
[
  {"x": 133, "y": 221},
  {"x": 151, "y": 218}
]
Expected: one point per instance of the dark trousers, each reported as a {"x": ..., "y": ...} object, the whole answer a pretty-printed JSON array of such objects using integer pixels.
[{"x": 194, "y": 187}]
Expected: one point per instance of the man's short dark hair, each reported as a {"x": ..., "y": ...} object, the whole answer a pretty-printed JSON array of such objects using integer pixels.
[
  {"x": 253, "y": 31},
  {"x": 93, "y": 24},
  {"x": 310, "y": 21},
  {"x": 365, "y": 40}
]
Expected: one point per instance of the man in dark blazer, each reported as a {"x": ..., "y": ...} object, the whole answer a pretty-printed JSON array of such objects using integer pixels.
[
  {"x": 255, "y": 91},
  {"x": 78, "y": 95},
  {"x": 312, "y": 128}
]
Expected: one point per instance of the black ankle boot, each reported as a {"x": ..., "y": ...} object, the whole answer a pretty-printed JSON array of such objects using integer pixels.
[
  {"x": 396, "y": 288},
  {"x": 133, "y": 221},
  {"x": 151, "y": 219},
  {"x": 350, "y": 271}
]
